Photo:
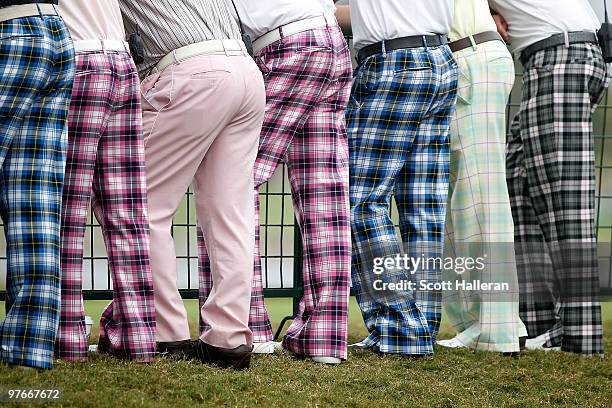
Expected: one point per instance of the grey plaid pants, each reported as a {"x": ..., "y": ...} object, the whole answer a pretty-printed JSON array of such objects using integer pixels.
[{"x": 551, "y": 180}]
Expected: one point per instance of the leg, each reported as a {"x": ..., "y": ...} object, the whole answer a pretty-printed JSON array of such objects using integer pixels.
[
  {"x": 421, "y": 197},
  {"x": 178, "y": 106},
  {"x": 31, "y": 185},
  {"x": 383, "y": 118},
  {"x": 318, "y": 172},
  {"x": 87, "y": 117},
  {"x": 170, "y": 168},
  {"x": 479, "y": 209},
  {"x": 259, "y": 322},
  {"x": 533, "y": 262},
  {"x": 223, "y": 192},
  {"x": 559, "y": 161},
  {"x": 32, "y": 230},
  {"x": 127, "y": 326},
  {"x": 460, "y": 311}
]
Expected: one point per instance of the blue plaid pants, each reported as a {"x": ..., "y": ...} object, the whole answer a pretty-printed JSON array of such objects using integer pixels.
[
  {"x": 36, "y": 72},
  {"x": 398, "y": 123}
]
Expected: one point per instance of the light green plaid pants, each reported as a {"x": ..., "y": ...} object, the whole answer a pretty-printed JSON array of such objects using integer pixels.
[{"x": 479, "y": 218}]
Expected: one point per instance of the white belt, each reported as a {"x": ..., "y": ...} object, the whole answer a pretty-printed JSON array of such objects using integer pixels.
[
  {"x": 26, "y": 10},
  {"x": 289, "y": 29},
  {"x": 100, "y": 45},
  {"x": 201, "y": 48}
]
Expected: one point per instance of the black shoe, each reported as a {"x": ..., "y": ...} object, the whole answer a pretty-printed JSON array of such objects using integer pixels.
[
  {"x": 104, "y": 348},
  {"x": 238, "y": 358},
  {"x": 177, "y": 350},
  {"x": 516, "y": 354},
  {"x": 522, "y": 341}
]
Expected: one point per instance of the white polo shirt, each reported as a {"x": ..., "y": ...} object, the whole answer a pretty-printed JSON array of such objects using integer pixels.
[
  {"x": 260, "y": 17},
  {"x": 377, "y": 20},
  {"x": 530, "y": 21},
  {"x": 93, "y": 19}
]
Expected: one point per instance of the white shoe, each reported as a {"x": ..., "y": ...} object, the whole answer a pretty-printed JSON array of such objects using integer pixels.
[
  {"x": 451, "y": 343},
  {"x": 93, "y": 348},
  {"x": 269, "y": 347},
  {"x": 278, "y": 346},
  {"x": 326, "y": 360},
  {"x": 88, "y": 325},
  {"x": 537, "y": 343}
]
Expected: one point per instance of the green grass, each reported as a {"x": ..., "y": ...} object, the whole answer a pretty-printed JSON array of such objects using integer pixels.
[{"x": 450, "y": 378}]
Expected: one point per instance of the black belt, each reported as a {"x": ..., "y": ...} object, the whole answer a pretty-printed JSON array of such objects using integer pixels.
[
  {"x": 479, "y": 38},
  {"x": 414, "y": 41},
  {"x": 556, "y": 40},
  {"x": 8, "y": 3}
]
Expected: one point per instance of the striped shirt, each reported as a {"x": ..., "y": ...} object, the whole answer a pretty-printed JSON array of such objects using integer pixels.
[{"x": 166, "y": 25}]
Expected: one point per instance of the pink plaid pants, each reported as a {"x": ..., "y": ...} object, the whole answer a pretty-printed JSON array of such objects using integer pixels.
[{"x": 105, "y": 163}]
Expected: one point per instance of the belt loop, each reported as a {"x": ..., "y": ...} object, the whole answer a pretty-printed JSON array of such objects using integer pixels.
[
  {"x": 384, "y": 49},
  {"x": 103, "y": 43},
  {"x": 174, "y": 57},
  {"x": 40, "y": 13},
  {"x": 473, "y": 42},
  {"x": 54, "y": 9},
  {"x": 280, "y": 31},
  {"x": 224, "y": 48},
  {"x": 425, "y": 42},
  {"x": 242, "y": 48},
  {"x": 566, "y": 37}
]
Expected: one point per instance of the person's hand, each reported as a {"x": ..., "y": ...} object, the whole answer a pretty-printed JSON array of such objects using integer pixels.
[{"x": 502, "y": 26}]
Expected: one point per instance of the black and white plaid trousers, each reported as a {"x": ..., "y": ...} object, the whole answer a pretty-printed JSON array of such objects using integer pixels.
[{"x": 551, "y": 180}]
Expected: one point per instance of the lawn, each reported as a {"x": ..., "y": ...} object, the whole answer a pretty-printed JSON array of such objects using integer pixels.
[{"x": 450, "y": 378}]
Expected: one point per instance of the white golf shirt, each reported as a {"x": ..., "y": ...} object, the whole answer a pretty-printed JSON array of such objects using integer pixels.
[
  {"x": 259, "y": 17},
  {"x": 377, "y": 20},
  {"x": 530, "y": 21},
  {"x": 93, "y": 19}
]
